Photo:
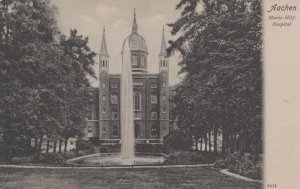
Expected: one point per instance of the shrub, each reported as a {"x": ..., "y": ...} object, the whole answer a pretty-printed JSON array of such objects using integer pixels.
[
  {"x": 18, "y": 160},
  {"x": 103, "y": 149},
  {"x": 84, "y": 147},
  {"x": 187, "y": 157},
  {"x": 69, "y": 154},
  {"x": 49, "y": 158},
  {"x": 245, "y": 165}
]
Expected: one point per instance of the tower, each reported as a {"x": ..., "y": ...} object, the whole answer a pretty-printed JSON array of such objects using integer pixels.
[
  {"x": 164, "y": 88},
  {"x": 138, "y": 49},
  {"x": 104, "y": 108}
]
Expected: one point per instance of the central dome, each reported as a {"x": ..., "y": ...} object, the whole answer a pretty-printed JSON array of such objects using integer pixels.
[{"x": 137, "y": 43}]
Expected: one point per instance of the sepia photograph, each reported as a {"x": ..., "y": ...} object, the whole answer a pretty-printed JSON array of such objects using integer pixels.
[{"x": 134, "y": 93}]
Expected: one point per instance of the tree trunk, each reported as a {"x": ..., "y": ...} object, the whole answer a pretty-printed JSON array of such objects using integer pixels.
[
  {"x": 205, "y": 142},
  {"x": 40, "y": 144},
  {"x": 201, "y": 142},
  {"x": 209, "y": 141},
  {"x": 66, "y": 144},
  {"x": 36, "y": 143},
  {"x": 54, "y": 146},
  {"x": 47, "y": 149},
  {"x": 59, "y": 146},
  {"x": 215, "y": 139}
]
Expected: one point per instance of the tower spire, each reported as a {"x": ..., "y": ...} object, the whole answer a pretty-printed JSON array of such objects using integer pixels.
[
  {"x": 163, "y": 44},
  {"x": 103, "y": 50},
  {"x": 134, "y": 26}
]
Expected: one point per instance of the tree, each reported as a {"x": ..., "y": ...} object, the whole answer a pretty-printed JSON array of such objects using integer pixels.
[
  {"x": 43, "y": 80},
  {"x": 221, "y": 58}
]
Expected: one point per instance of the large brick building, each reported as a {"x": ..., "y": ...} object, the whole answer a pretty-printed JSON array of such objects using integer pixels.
[{"x": 151, "y": 94}]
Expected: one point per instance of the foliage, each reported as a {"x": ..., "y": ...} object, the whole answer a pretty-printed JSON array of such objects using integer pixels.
[
  {"x": 44, "y": 88},
  {"x": 177, "y": 140},
  {"x": 221, "y": 47},
  {"x": 69, "y": 154},
  {"x": 149, "y": 148},
  {"x": 246, "y": 165},
  {"x": 84, "y": 147},
  {"x": 188, "y": 157},
  {"x": 49, "y": 158}
]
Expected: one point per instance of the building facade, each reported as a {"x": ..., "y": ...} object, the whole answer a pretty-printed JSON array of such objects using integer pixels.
[{"x": 151, "y": 95}]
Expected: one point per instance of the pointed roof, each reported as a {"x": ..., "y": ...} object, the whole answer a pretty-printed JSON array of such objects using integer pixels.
[
  {"x": 103, "y": 50},
  {"x": 134, "y": 25},
  {"x": 163, "y": 48}
]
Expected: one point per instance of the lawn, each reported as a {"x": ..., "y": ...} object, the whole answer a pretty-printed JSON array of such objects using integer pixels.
[{"x": 196, "y": 177}]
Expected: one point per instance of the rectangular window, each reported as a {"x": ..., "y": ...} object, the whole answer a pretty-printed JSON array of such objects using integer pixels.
[
  {"x": 103, "y": 85},
  {"x": 153, "y": 115},
  {"x": 137, "y": 115},
  {"x": 164, "y": 97},
  {"x": 114, "y": 85},
  {"x": 142, "y": 61},
  {"x": 134, "y": 61},
  {"x": 115, "y": 130},
  {"x": 103, "y": 97},
  {"x": 153, "y": 85},
  {"x": 153, "y": 99},
  {"x": 114, "y": 99}
]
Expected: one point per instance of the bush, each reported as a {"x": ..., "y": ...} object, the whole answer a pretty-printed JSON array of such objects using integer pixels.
[
  {"x": 20, "y": 160},
  {"x": 245, "y": 165},
  {"x": 69, "y": 154},
  {"x": 49, "y": 158},
  {"x": 149, "y": 148},
  {"x": 103, "y": 149},
  {"x": 188, "y": 157},
  {"x": 84, "y": 147}
]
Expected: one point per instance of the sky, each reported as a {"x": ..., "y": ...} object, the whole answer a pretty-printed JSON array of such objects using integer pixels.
[{"x": 90, "y": 16}]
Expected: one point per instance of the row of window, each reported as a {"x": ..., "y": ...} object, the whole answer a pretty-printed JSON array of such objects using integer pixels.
[
  {"x": 163, "y": 63},
  {"x": 137, "y": 114},
  {"x": 115, "y": 131},
  {"x": 136, "y": 101},
  {"x": 104, "y": 63},
  {"x": 143, "y": 60},
  {"x": 115, "y": 85}
]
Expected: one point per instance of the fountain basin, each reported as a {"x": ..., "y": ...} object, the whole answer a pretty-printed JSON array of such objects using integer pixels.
[{"x": 116, "y": 159}]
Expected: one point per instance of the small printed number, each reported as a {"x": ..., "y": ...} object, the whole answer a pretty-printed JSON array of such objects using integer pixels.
[{"x": 271, "y": 186}]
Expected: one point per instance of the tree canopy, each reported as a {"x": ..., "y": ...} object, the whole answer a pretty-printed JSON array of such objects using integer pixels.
[
  {"x": 43, "y": 74},
  {"x": 221, "y": 47}
]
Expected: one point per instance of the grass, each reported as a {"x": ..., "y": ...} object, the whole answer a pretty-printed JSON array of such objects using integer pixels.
[{"x": 196, "y": 177}]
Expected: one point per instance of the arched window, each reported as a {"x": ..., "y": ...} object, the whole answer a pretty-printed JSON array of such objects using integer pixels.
[
  {"x": 89, "y": 132},
  {"x": 114, "y": 114},
  {"x": 164, "y": 97},
  {"x": 153, "y": 98},
  {"x": 103, "y": 85},
  {"x": 154, "y": 130},
  {"x": 103, "y": 97},
  {"x": 114, "y": 98},
  {"x": 115, "y": 130},
  {"x": 137, "y": 101},
  {"x": 164, "y": 84}
]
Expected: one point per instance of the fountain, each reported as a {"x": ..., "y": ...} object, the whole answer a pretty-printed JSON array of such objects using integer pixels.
[{"x": 127, "y": 131}]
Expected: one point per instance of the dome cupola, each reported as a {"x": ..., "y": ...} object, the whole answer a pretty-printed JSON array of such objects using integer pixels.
[{"x": 138, "y": 49}]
